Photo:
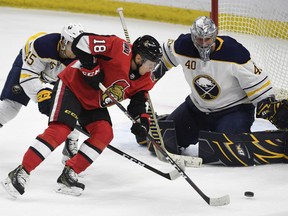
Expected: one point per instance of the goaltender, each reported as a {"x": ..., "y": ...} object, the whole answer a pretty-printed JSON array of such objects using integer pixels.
[{"x": 226, "y": 87}]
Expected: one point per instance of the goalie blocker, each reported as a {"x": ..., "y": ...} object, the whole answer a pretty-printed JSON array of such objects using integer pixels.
[{"x": 247, "y": 149}]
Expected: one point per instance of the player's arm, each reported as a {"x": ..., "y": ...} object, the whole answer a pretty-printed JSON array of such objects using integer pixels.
[
  {"x": 31, "y": 69},
  {"x": 137, "y": 109},
  {"x": 168, "y": 60},
  {"x": 85, "y": 51},
  {"x": 30, "y": 77},
  {"x": 253, "y": 80},
  {"x": 258, "y": 88}
]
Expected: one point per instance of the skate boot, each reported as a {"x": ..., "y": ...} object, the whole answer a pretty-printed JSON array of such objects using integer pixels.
[
  {"x": 68, "y": 183},
  {"x": 69, "y": 150},
  {"x": 16, "y": 181}
]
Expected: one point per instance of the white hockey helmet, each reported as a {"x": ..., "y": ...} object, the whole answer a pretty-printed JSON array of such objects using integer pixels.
[
  {"x": 203, "y": 29},
  {"x": 70, "y": 32}
]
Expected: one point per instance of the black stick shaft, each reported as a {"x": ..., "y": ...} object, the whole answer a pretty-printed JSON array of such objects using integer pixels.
[{"x": 168, "y": 158}]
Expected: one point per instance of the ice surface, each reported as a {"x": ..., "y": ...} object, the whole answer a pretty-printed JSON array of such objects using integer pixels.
[{"x": 114, "y": 185}]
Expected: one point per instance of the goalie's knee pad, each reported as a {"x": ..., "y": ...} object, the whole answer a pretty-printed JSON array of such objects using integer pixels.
[{"x": 169, "y": 135}]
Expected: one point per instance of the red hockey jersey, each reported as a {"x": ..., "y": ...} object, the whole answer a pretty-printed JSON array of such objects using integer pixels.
[{"x": 114, "y": 56}]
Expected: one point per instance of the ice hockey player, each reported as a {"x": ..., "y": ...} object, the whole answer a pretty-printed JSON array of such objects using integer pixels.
[
  {"x": 37, "y": 65},
  {"x": 126, "y": 73},
  {"x": 226, "y": 86}
]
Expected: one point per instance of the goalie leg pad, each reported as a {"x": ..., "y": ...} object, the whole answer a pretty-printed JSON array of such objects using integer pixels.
[{"x": 245, "y": 149}]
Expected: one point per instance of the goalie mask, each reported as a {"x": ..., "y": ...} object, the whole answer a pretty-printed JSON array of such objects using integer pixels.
[
  {"x": 203, "y": 34},
  {"x": 70, "y": 32}
]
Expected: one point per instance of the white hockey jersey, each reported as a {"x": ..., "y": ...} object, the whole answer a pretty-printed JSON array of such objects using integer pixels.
[
  {"x": 230, "y": 77},
  {"x": 41, "y": 62}
]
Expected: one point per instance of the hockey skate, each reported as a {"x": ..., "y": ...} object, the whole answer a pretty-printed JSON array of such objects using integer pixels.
[
  {"x": 16, "y": 181},
  {"x": 69, "y": 150},
  {"x": 68, "y": 183}
]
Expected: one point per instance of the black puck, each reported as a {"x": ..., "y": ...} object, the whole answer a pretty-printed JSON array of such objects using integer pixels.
[{"x": 249, "y": 194}]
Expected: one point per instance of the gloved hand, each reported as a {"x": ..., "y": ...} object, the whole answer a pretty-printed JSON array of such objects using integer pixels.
[
  {"x": 274, "y": 111},
  {"x": 93, "y": 77},
  {"x": 91, "y": 72},
  {"x": 87, "y": 60},
  {"x": 267, "y": 108},
  {"x": 141, "y": 129},
  {"x": 44, "y": 100}
]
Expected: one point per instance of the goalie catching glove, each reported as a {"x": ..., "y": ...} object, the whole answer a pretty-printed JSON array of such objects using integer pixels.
[
  {"x": 141, "y": 129},
  {"x": 44, "y": 100},
  {"x": 274, "y": 111}
]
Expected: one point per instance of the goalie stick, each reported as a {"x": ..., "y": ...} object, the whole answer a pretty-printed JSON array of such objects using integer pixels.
[
  {"x": 188, "y": 161},
  {"x": 219, "y": 201},
  {"x": 174, "y": 174}
]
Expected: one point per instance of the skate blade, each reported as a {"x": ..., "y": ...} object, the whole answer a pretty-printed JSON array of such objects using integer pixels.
[
  {"x": 8, "y": 186},
  {"x": 73, "y": 191}
]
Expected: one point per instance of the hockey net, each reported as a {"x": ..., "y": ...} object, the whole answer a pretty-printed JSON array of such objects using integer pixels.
[{"x": 262, "y": 27}]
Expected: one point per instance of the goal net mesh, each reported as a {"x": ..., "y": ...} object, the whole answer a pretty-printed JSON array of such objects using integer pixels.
[{"x": 262, "y": 27}]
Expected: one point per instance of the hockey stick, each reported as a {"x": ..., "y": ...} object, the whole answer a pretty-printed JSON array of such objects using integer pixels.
[
  {"x": 220, "y": 201},
  {"x": 121, "y": 15},
  {"x": 171, "y": 175},
  {"x": 154, "y": 126}
]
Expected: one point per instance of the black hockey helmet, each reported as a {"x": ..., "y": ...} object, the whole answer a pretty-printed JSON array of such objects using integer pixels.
[{"x": 148, "y": 47}]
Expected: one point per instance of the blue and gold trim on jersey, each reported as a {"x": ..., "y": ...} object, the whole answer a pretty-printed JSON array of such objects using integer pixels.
[
  {"x": 30, "y": 39},
  {"x": 227, "y": 49}
]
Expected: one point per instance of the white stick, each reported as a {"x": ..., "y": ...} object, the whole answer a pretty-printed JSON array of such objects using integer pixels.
[
  {"x": 155, "y": 129},
  {"x": 120, "y": 12}
]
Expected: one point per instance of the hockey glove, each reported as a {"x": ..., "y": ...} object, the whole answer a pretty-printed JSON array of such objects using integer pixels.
[
  {"x": 44, "y": 100},
  {"x": 274, "y": 111},
  {"x": 93, "y": 77},
  {"x": 46, "y": 79},
  {"x": 141, "y": 129},
  {"x": 87, "y": 59}
]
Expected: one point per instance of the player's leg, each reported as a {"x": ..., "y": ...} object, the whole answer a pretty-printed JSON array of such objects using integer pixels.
[
  {"x": 59, "y": 127},
  {"x": 215, "y": 148},
  {"x": 12, "y": 95},
  {"x": 8, "y": 110},
  {"x": 187, "y": 125},
  {"x": 98, "y": 124},
  {"x": 71, "y": 146},
  {"x": 235, "y": 120},
  {"x": 246, "y": 149}
]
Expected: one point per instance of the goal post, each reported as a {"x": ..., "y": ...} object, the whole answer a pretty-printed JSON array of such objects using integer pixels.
[{"x": 262, "y": 27}]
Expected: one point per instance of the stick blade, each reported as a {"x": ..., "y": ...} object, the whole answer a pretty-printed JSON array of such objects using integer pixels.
[
  {"x": 220, "y": 201},
  {"x": 174, "y": 174}
]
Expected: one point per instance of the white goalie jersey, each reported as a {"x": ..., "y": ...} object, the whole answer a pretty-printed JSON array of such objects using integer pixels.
[
  {"x": 230, "y": 77},
  {"x": 41, "y": 63}
]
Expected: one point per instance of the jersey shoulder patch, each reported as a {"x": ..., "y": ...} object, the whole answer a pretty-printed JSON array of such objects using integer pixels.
[
  {"x": 228, "y": 49},
  {"x": 183, "y": 45},
  {"x": 47, "y": 46}
]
